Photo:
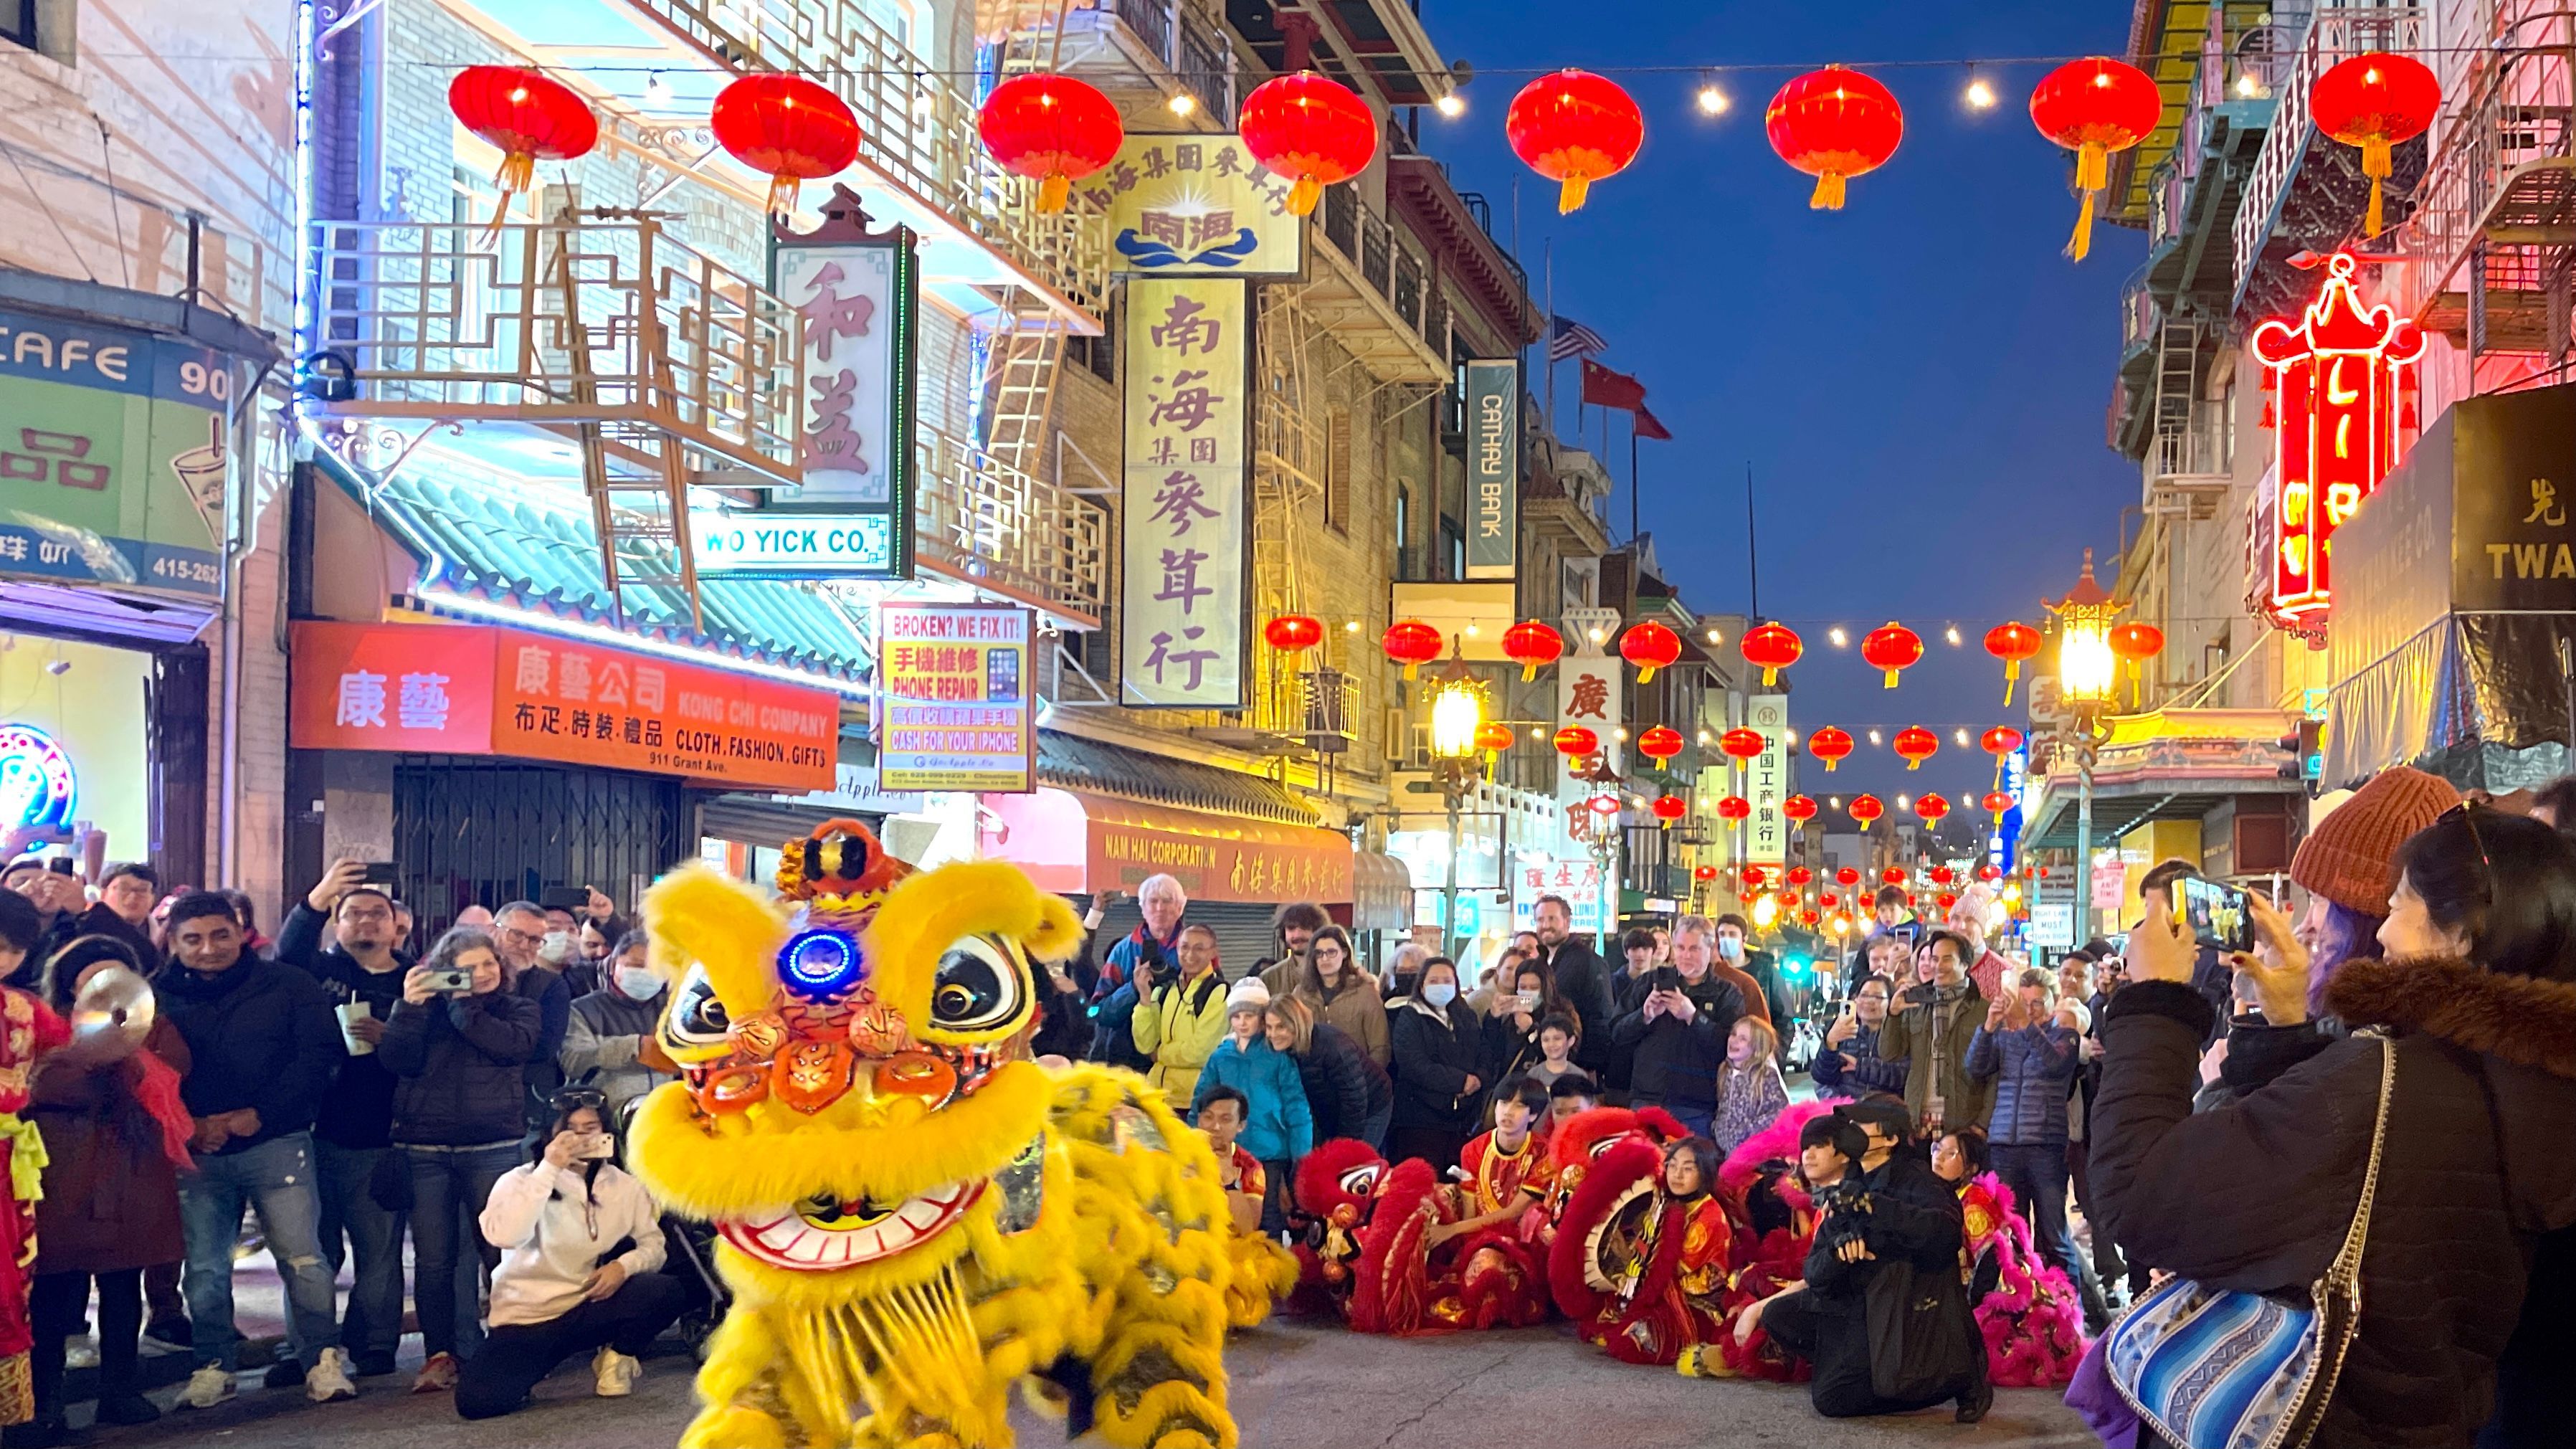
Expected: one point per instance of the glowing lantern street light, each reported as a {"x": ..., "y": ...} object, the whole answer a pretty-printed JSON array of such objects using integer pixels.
[
  {"x": 1574, "y": 128},
  {"x": 1531, "y": 644},
  {"x": 2087, "y": 670},
  {"x": 1914, "y": 744},
  {"x": 1411, "y": 643},
  {"x": 1291, "y": 633},
  {"x": 1834, "y": 124},
  {"x": 1771, "y": 648},
  {"x": 1891, "y": 647},
  {"x": 2095, "y": 107},
  {"x": 1457, "y": 719},
  {"x": 1053, "y": 129},
  {"x": 1309, "y": 130},
  {"x": 1650, "y": 646},
  {"x": 1458, "y": 732},
  {"x": 1830, "y": 745},
  {"x": 2012, "y": 642},
  {"x": 2375, "y": 100}
]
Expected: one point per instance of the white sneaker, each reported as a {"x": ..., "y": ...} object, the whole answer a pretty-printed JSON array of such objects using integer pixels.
[
  {"x": 328, "y": 1379},
  {"x": 616, "y": 1373},
  {"x": 207, "y": 1387}
]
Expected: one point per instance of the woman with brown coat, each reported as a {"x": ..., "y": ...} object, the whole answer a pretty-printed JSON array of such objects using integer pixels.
[
  {"x": 1342, "y": 995},
  {"x": 115, "y": 1134}
]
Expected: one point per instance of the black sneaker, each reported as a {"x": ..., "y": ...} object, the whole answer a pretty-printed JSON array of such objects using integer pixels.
[
  {"x": 171, "y": 1333},
  {"x": 127, "y": 1409},
  {"x": 286, "y": 1373},
  {"x": 375, "y": 1365},
  {"x": 41, "y": 1433},
  {"x": 1974, "y": 1403}
]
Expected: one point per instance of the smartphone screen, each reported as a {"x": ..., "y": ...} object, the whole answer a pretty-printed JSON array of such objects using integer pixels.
[
  {"x": 378, "y": 873},
  {"x": 2217, "y": 914}
]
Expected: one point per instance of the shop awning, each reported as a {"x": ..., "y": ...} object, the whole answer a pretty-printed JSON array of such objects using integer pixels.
[
  {"x": 538, "y": 551},
  {"x": 1106, "y": 769},
  {"x": 1381, "y": 892},
  {"x": 1077, "y": 842},
  {"x": 2454, "y": 592},
  {"x": 2174, "y": 764}
]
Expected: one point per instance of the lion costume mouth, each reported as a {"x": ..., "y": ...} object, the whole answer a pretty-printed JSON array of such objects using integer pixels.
[{"x": 823, "y": 1235}]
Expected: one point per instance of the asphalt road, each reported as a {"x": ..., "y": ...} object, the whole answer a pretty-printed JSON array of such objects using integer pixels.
[{"x": 1295, "y": 1384}]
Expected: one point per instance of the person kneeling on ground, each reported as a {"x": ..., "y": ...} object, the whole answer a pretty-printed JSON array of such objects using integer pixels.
[{"x": 580, "y": 1249}]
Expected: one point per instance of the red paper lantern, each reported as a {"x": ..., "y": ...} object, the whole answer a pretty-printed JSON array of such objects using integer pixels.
[
  {"x": 1829, "y": 900},
  {"x": 787, "y": 128},
  {"x": 1753, "y": 877},
  {"x": 1742, "y": 745},
  {"x": 1847, "y": 876},
  {"x": 1669, "y": 808},
  {"x": 2135, "y": 644},
  {"x": 1931, "y": 807},
  {"x": 1997, "y": 803},
  {"x": 1891, "y": 647},
  {"x": 1736, "y": 807},
  {"x": 1604, "y": 806},
  {"x": 1990, "y": 871},
  {"x": 1574, "y": 742},
  {"x": 1893, "y": 875},
  {"x": 2094, "y": 107},
  {"x": 2012, "y": 642},
  {"x": 2375, "y": 100},
  {"x": 1799, "y": 808},
  {"x": 1494, "y": 737},
  {"x": 1051, "y": 128},
  {"x": 1660, "y": 743},
  {"x": 1947, "y": 900},
  {"x": 1941, "y": 875},
  {"x": 1834, "y": 124},
  {"x": 528, "y": 116},
  {"x": 1704, "y": 873},
  {"x": 1865, "y": 808},
  {"x": 1650, "y": 646},
  {"x": 1799, "y": 875},
  {"x": 2001, "y": 740},
  {"x": 1830, "y": 745},
  {"x": 1293, "y": 633},
  {"x": 1771, "y": 648},
  {"x": 1808, "y": 917},
  {"x": 1530, "y": 644},
  {"x": 1309, "y": 129},
  {"x": 1914, "y": 744},
  {"x": 1574, "y": 128},
  {"x": 1411, "y": 643}
]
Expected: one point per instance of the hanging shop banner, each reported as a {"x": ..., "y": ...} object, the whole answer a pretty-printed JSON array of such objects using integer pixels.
[
  {"x": 1196, "y": 206},
  {"x": 1766, "y": 782},
  {"x": 772, "y": 543},
  {"x": 1590, "y": 694},
  {"x": 1186, "y": 592},
  {"x": 857, "y": 294},
  {"x": 956, "y": 700},
  {"x": 471, "y": 689},
  {"x": 114, "y": 448},
  {"x": 1490, "y": 393}
]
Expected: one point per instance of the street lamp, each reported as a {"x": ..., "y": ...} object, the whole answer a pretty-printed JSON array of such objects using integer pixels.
[
  {"x": 1457, "y": 717},
  {"x": 2088, "y": 682}
]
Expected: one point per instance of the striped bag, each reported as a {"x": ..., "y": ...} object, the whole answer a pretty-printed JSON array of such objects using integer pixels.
[{"x": 2214, "y": 1369}]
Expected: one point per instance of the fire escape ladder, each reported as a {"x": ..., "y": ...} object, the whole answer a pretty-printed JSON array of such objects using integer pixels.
[{"x": 1028, "y": 356}]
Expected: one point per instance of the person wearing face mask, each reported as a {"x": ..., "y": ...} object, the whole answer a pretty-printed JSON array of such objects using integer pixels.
[
  {"x": 603, "y": 1043},
  {"x": 561, "y": 953},
  {"x": 1727, "y": 963},
  {"x": 528, "y": 947},
  {"x": 1511, "y": 1028},
  {"x": 1438, "y": 1090},
  {"x": 1679, "y": 1030},
  {"x": 1769, "y": 999}
]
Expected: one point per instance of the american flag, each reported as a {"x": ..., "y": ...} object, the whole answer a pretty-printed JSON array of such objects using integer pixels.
[{"x": 1570, "y": 338}]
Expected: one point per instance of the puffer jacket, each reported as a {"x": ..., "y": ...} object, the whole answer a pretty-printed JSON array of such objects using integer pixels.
[
  {"x": 2474, "y": 1171},
  {"x": 462, "y": 1064},
  {"x": 1279, "y": 1127},
  {"x": 2030, "y": 1070},
  {"x": 1344, "y": 1089}
]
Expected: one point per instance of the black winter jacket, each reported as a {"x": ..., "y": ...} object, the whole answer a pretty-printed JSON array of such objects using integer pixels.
[
  {"x": 1343, "y": 1087},
  {"x": 461, "y": 1062},
  {"x": 358, "y": 1111},
  {"x": 2476, "y": 1168},
  {"x": 260, "y": 1035},
  {"x": 1432, "y": 1065},
  {"x": 1677, "y": 1061},
  {"x": 1583, "y": 979}
]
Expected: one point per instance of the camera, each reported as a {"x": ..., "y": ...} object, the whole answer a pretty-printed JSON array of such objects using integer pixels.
[{"x": 451, "y": 981}]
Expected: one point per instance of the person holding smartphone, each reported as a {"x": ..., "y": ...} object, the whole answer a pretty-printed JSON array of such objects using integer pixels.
[{"x": 581, "y": 1249}]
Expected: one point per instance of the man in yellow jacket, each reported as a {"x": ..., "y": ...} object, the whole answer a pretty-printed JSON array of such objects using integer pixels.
[{"x": 1179, "y": 1023}]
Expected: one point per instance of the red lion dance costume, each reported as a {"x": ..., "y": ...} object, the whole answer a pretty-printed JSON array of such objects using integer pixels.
[
  {"x": 1370, "y": 1254},
  {"x": 2032, "y": 1321}
]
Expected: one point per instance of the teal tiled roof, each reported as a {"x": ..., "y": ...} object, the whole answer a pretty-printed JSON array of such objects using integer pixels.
[{"x": 539, "y": 551}]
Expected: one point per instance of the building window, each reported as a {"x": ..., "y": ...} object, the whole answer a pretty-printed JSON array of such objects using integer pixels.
[
  {"x": 1453, "y": 547},
  {"x": 1337, "y": 470},
  {"x": 18, "y": 22}
]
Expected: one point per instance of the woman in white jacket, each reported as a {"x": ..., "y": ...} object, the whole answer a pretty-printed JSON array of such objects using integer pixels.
[{"x": 580, "y": 1252}]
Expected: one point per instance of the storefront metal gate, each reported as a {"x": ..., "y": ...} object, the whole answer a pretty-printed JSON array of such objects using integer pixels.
[{"x": 474, "y": 831}]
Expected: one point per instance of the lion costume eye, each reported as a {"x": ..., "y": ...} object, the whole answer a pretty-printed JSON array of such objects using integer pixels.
[
  {"x": 981, "y": 989},
  {"x": 695, "y": 1026}
]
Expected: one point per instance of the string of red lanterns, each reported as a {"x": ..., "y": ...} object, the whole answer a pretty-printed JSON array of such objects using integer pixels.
[
  {"x": 1574, "y": 128},
  {"x": 1053, "y": 129},
  {"x": 1308, "y": 130},
  {"x": 2094, "y": 107},
  {"x": 786, "y": 127},
  {"x": 525, "y": 115}
]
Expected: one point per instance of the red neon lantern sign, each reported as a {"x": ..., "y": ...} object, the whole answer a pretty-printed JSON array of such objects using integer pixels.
[{"x": 2339, "y": 374}]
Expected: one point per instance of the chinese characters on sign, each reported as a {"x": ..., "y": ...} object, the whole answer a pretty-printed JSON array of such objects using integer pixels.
[
  {"x": 854, "y": 302},
  {"x": 1491, "y": 399},
  {"x": 1183, "y": 206},
  {"x": 2338, "y": 379},
  {"x": 1589, "y": 693},
  {"x": 473, "y": 689},
  {"x": 1183, "y": 605},
  {"x": 113, "y": 455},
  {"x": 1766, "y": 782},
  {"x": 956, "y": 692}
]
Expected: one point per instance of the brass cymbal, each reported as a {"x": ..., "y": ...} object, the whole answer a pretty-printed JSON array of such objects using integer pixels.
[{"x": 114, "y": 1011}]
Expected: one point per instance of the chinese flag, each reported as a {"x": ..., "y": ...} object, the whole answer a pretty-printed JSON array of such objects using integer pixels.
[
  {"x": 1647, "y": 425},
  {"x": 1604, "y": 388}
]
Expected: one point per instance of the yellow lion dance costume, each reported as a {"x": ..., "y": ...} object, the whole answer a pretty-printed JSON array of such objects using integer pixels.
[{"x": 912, "y": 1214}]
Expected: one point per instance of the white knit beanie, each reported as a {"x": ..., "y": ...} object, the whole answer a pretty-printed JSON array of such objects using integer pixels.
[{"x": 1248, "y": 995}]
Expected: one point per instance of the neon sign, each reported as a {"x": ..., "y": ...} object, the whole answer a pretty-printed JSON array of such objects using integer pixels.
[
  {"x": 2340, "y": 376},
  {"x": 37, "y": 785}
]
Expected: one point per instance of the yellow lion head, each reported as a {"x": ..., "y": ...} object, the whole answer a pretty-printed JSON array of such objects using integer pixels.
[{"x": 856, "y": 1095}]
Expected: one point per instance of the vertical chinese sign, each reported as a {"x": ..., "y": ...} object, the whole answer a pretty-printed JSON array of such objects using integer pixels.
[
  {"x": 855, "y": 293},
  {"x": 2338, "y": 379},
  {"x": 1186, "y": 593},
  {"x": 113, "y": 455},
  {"x": 1182, "y": 206},
  {"x": 1589, "y": 694},
  {"x": 1766, "y": 782},
  {"x": 955, "y": 711},
  {"x": 1490, "y": 393}
]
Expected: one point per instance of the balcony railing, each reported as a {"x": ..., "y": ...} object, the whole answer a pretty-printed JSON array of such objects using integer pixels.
[
  {"x": 604, "y": 318},
  {"x": 2334, "y": 32},
  {"x": 916, "y": 129},
  {"x": 979, "y": 518},
  {"x": 1395, "y": 290},
  {"x": 2140, "y": 317},
  {"x": 2201, "y": 450}
]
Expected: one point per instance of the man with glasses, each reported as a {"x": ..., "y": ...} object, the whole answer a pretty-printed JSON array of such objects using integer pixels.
[
  {"x": 363, "y": 972},
  {"x": 521, "y": 928}
]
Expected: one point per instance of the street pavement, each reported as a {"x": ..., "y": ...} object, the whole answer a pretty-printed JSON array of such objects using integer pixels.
[{"x": 1299, "y": 1385}]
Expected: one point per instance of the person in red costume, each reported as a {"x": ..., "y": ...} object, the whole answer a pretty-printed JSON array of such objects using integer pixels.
[{"x": 1495, "y": 1260}]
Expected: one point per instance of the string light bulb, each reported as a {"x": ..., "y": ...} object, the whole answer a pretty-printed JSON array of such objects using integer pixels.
[
  {"x": 1712, "y": 101},
  {"x": 1182, "y": 104},
  {"x": 1839, "y": 638},
  {"x": 1875, "y": 739},
  {"x": 1952, "y": 634},
  {"x": 1452, "y": 105},
  {"x": 1963, "y": 737},
  {"x": 657, "y": 91},
  {"x": 1981, "y": 96}
]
